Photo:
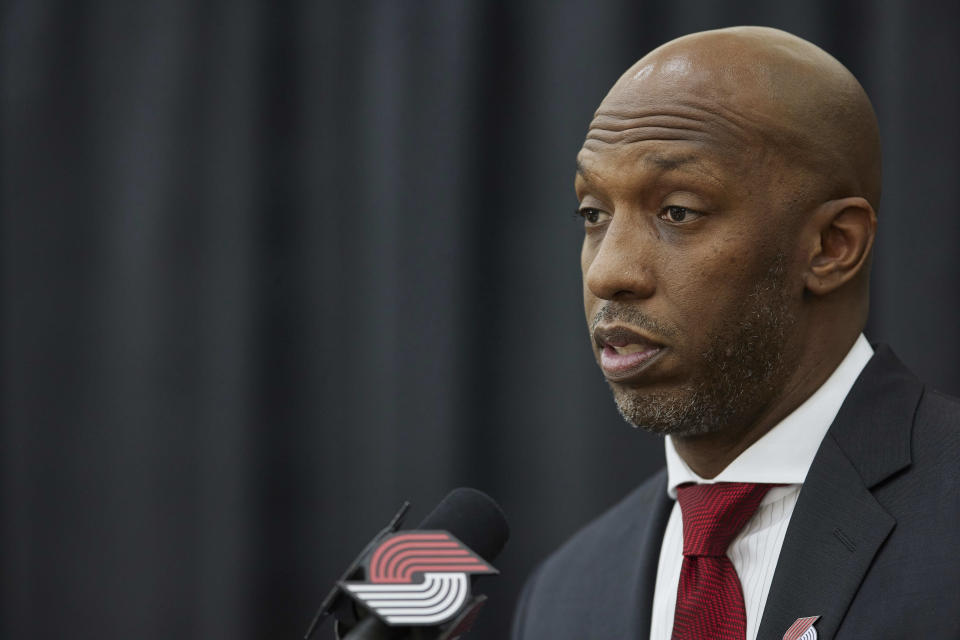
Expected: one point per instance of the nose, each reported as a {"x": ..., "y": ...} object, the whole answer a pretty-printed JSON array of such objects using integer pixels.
[{"x": 619, "y": 265}]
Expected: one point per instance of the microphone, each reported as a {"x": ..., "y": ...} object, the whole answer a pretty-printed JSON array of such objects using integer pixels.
[
  {"x": 474, "y": 518},
  {"x": 479, "y": 531}
]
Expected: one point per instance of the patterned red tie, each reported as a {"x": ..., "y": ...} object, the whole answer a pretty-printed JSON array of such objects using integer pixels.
[{"x": 710, "y": 599}]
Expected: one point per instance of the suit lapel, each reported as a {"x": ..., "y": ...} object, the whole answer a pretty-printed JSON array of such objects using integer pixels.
[
  {"x": 835, "y": 530},
  {"x": 837, "y": 525},
  {"x": 647, "y": 557}
]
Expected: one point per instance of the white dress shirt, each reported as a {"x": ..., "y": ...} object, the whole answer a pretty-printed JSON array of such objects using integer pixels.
[{"x": 782, "y": 456}]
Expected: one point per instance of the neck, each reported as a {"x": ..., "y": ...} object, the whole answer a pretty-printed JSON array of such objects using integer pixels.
[{"x": 710, "y": 453}]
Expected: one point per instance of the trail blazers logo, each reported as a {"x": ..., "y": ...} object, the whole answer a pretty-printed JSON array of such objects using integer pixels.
[
  {"x": 802, "y": 629},
  {"x": 418, "y": 578}
]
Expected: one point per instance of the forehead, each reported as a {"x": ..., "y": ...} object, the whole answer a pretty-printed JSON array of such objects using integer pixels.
[{"x": 677, "y": 105}]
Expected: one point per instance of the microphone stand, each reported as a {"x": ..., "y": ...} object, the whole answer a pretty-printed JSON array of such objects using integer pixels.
[{"x": 335, "y": 599}]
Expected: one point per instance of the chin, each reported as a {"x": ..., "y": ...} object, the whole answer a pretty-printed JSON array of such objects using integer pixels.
[{"x": 687, "y": 411}]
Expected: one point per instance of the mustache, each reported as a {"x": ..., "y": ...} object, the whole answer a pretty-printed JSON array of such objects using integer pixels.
[{"x": 613, "y": 312}]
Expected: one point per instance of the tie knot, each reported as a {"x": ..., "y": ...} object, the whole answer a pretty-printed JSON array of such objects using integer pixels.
[{"x": 713, "y": 514}]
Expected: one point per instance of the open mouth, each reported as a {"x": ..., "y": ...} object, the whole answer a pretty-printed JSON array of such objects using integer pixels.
[{"x": 624, "y": 352}]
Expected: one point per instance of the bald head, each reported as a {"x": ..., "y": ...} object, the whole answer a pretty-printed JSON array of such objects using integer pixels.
[{"x": 759, "y": 90}]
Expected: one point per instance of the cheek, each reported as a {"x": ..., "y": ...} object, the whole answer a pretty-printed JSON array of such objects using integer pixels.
[
  {"x": 587, "y": 253},
  {"x": 710, "y": 285},
  {"x": 585, "y": 258}
]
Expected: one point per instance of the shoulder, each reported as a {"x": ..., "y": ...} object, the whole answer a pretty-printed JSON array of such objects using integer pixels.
[
  {"x": 936, "y": 437},
  {"x": 924, "y": 501},
  {"x": 939, "y": 409},
  {"x": 596, "y": 571},
  {"x": 924, "y": 497},
  {"x": 609, "y": 530}
]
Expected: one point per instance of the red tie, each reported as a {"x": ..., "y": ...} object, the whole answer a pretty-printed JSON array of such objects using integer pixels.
[{"x": 710, "y": 599}]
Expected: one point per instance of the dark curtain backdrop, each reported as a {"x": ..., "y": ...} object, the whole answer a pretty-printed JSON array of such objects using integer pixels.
[{"x": 268, "y": 269}]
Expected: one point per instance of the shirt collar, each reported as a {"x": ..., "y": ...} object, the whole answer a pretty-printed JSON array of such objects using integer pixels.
[{"x": 784, "y": 454}]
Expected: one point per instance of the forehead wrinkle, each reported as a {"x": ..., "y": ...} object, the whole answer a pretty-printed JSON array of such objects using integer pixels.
[{"x": 702, "y": 121}]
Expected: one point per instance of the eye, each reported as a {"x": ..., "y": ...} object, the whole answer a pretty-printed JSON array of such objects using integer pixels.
[
  {"x": 591, "y": 215},
  {"x": 674, "y": 213}
]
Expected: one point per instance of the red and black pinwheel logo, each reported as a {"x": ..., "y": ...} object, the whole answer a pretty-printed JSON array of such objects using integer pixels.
[{"x": 418, "y": 578}]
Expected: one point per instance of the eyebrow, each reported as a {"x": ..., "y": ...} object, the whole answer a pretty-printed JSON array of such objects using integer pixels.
[
  {"x": 670, "y": 163},
  {"x": 580, "y": 168},
  {"x": 657, "y": 160}
]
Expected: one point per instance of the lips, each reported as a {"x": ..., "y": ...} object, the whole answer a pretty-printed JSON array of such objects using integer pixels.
[{"x": 624, "y": 352}]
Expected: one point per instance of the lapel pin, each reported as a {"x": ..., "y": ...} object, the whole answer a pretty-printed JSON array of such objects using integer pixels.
[{"x": 802, "y": 629}]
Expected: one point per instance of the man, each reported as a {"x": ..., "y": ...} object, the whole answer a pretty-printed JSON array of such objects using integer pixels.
[{"x": 729, "y": 184}]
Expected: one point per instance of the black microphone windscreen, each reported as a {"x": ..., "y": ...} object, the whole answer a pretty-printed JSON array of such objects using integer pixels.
[{"x": 474, "y": 518}]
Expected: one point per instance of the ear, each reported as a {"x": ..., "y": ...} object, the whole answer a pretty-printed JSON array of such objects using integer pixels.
[{"x": 841, "y": 234}]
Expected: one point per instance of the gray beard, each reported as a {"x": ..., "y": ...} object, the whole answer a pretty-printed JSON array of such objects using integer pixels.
[{"x": 745, "y": 367}]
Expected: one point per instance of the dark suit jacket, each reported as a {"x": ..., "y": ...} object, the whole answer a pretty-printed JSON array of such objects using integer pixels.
[{"x": 873, "y": 546}]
